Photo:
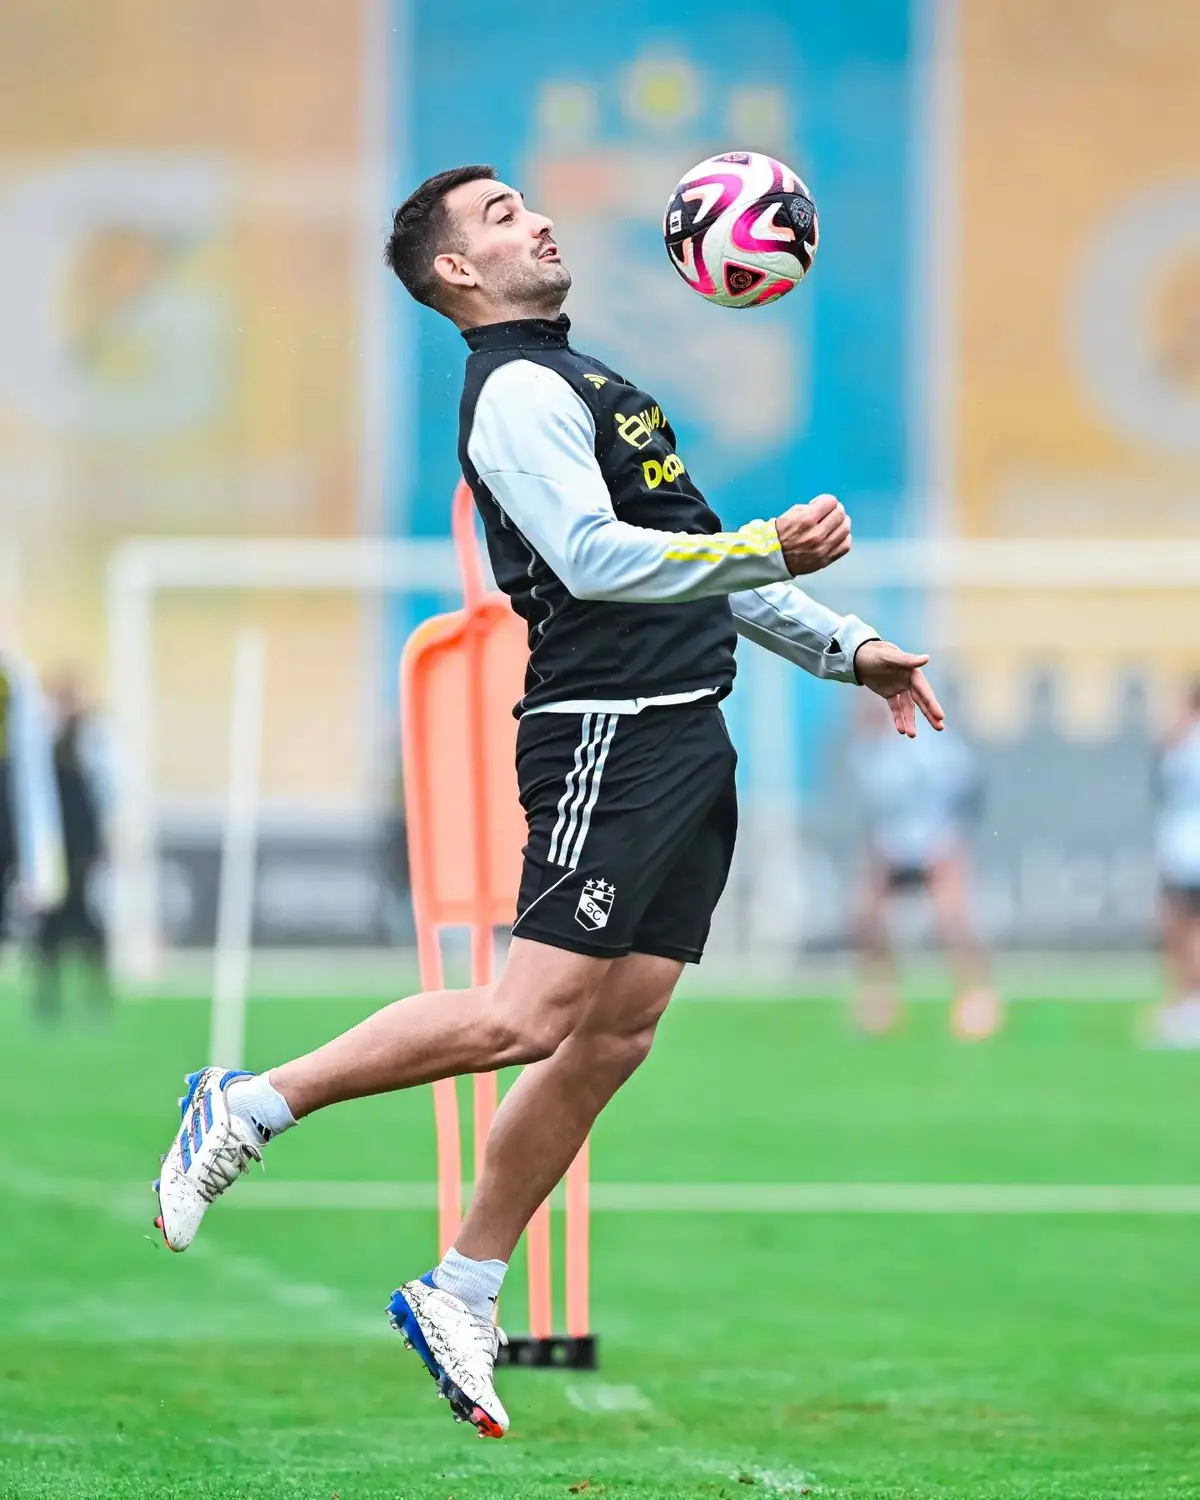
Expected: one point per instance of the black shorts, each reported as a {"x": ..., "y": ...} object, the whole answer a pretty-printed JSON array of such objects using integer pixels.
[
  {"x": 632, "y": 821},
  {"x": 907, "y": 877}
]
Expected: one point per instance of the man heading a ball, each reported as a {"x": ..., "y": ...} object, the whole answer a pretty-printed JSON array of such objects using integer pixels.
[{"x": 634, "y": 597}]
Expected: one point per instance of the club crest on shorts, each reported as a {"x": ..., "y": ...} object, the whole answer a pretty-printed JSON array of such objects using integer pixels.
[{"x": 595, "y": 904}]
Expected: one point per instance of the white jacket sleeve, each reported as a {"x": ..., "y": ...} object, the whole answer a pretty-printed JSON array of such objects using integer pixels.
[
  {"x": 785, "y": 620},
  {"x": 533, "y": 443}
]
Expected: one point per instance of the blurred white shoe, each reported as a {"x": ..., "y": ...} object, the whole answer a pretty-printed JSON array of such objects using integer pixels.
[{"x": 1177, "y": 1026}]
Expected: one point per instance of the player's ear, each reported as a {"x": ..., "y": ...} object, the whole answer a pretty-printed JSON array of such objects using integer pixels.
[{"x": 455, "y": 270}]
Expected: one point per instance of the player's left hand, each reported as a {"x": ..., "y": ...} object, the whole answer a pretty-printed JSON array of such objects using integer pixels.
[{"x": 896, "y": 675}]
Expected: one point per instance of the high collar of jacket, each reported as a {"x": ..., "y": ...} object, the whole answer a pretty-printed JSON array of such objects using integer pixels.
[{"x": 520, "y": 333}]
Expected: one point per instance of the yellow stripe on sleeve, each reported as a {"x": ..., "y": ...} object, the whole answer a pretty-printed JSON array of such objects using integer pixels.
[{"x": 758, "y": 539}]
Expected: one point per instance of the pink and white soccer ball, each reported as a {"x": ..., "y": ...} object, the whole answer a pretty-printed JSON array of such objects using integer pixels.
[{"x": 741, "y": 229}]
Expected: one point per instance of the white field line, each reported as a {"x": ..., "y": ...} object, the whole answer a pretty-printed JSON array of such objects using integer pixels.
[
  {"x": 258, "y": 1194},
  {"x": 358, "y": 975},
  {"x": 132, "y": 1204}
]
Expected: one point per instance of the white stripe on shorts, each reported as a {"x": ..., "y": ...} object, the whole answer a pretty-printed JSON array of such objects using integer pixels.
[
  {"x": 583, "y": 786},
  {"x": 569, "y": 790},
  {"x": 585, "y": 824}
]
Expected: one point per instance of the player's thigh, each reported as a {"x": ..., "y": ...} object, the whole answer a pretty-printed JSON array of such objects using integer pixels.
[
  {"x": 1191, "y": 943},
  {"x": 873, "y": 889},
  {"x": 540, "y": 975},
  {"x": 677, "y": 919},
  {"x": 1175, "y": 927},
  {"x": 947, "y": 884},
  {"x": 617, "y": 1032},
  {"x": 633, "y": 995}
]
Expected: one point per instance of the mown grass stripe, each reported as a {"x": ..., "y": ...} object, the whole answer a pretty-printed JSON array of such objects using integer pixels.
[{"x": 267, "y": 1195}]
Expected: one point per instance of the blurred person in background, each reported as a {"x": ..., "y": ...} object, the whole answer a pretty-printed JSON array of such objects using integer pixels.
[
  {"x": 31, "y": 847},
  {"x": 8, "y": 829},
  {"x": 1177, "y": 1023},
  {"x": 919, "y": 798},
  {"x": 72, "y": 922}
]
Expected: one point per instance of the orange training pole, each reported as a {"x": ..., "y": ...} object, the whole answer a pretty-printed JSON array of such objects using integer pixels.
[
  {"x": 429, "y": 950},
  {"x": 486, "y": 1085},
  {"x": 537, "y": 1254},
  {"x": 578, "y": 1247},
  {"x": 462, "y": 519}
]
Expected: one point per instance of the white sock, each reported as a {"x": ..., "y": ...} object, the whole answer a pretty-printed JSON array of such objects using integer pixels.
[
  {"x": 260, "y": 1106},
  {"x": 475, "y": 1282}
]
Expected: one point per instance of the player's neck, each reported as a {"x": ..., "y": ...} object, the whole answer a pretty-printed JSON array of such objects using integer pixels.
[{"x": 543, "y": 309}]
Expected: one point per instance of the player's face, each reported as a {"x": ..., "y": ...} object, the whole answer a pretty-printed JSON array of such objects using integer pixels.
[{"x": 511, "y": 255}]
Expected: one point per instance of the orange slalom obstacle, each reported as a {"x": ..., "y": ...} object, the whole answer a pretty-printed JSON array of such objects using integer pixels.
[{"x": 460, "y": 675}]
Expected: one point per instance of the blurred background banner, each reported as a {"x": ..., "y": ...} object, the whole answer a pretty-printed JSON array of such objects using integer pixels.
[
  {"x": 1077, "y": 366},
  {"x": 595, "y": 119},
  {"x": 180, "y": 295},
  {"x": 595, "y": 115},
  {"x": 1079, "y": 384}
]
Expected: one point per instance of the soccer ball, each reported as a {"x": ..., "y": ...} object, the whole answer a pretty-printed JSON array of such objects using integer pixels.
[{"x": 741, "y": 229}]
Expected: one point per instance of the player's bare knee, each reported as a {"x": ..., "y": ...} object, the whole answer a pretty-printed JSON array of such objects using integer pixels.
[
  {"x": 624, "y": 1055},
  {"x": 543, "y": 1029},
  {"x": 612, "y": 1056},
  {"x": 532, "y": 1027}
]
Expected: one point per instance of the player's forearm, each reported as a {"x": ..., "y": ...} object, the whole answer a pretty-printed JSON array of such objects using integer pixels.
[
  {"x": 612, "y": 561},
  {"x": 784, "y": 619},
  {"x": 571, "y": 524}
]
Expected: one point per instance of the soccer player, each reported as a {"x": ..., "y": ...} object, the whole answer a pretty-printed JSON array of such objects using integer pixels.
[
  {"x": 634, "y": 597},
  {"x": 919, "y": 801},
  {"x": 72, "y": 922},
  {"x": 1178, "y": 1021},
  {"x": 31, "y": 843}
]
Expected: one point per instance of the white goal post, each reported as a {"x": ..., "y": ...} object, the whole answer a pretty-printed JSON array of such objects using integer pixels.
[
  {"x": 142, "y": 570},
  {"x": 139, "y": 571},
  {"x": 239, "y": 852}
]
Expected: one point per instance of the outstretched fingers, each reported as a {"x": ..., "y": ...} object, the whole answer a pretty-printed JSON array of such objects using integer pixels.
[
  {"x": 926, "y": 700},
  {"x": 903, "y": 715}
]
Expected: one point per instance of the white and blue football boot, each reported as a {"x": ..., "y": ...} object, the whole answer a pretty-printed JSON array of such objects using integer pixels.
[
  {"x": 459, "y": 1348},
  {"x": 210, "y": 1152}
]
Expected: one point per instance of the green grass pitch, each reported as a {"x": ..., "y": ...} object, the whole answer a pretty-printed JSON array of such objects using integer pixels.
[{"x": 864, "y": 1355}]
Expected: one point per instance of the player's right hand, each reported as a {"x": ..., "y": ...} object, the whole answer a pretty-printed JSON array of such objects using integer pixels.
[{"x": 813, "y": 535}]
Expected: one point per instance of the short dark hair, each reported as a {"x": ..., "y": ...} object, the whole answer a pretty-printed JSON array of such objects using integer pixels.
[{"x": 422, "y": 230}]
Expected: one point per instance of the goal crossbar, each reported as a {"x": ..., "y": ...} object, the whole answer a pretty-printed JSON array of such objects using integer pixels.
[{"x": 141, "y": 568}]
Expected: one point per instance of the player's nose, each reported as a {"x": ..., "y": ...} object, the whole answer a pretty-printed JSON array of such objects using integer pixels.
[{"x": 541, "y": 226}]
